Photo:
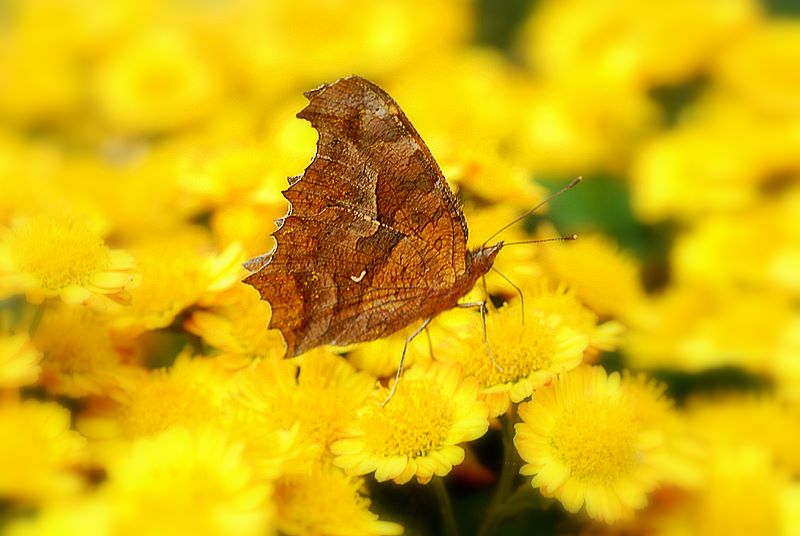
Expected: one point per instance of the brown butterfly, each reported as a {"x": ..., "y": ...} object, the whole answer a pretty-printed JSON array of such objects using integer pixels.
[{"x": 374, "y": 238}]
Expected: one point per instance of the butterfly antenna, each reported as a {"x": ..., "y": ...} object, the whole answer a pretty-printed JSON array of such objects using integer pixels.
[
  {"x": 527, "y": 213},
  {"x": 568, "y": 238}
]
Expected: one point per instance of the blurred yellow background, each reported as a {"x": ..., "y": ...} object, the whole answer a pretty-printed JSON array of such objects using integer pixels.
[{"x": 144, "y": 145}]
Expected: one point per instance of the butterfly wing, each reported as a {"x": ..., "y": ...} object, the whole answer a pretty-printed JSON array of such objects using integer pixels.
[{"x": 373, "y": 228}]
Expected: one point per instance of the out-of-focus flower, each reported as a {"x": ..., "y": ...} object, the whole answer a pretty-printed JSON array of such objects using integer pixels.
[
  {"x": 176, "y": 273},
  {"x": 45, "y": 257},
  {"x": 19, "y": 361},
  {"x": 525, "y": 353},
  {"x": 763, "y": 422},
  {"x": 322, "y": 396},
  {"x": 418, "y": 432},
  {"x": 739, "y": 479},
  {"x": 693, "y": 329},
  {"x": 75, "y": 517},
  {"x": 277, "y": 46},
  {"x": 767, "y": 50},
  {"x": 691, "y": 171},
  {"x": 439, "y": 94},
  {"x": 754, "y": 248},
  {"x": 567, "y": 128},
  {"x": 604, "y": 278},
  {"x": 326, "y": 501},
  {"x": 82, "y": 357},
  {"x": 585, "y": 442},
  {"x": 185, "y": 482},
  {"x": 237, "y": 323},
  {"x": 157, "y": 81},
  {"x": 39, "y": 453},
  {"x": 629, "y": 42},
  {"x": 189, "y": 395}
]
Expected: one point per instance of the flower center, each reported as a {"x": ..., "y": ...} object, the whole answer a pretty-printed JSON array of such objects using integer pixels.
[
  {"x": 163, "y": 403},
  {"x": 59, "y": 254},
  {"x": 519, "y": 350},
  {"x": 595, "y": 438},
  {"x": 415, "y": 422}
]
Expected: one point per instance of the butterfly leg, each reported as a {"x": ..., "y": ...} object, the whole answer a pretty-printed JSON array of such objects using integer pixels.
[
  {"x": 403, "y": 359},
  {"x": 482, "y": 308},
  {"x": 519, "y": 292}
]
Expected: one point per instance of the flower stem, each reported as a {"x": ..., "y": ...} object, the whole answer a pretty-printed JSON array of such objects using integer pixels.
[
  {"x": 449, "y": 527},
  {"x": 38, "y": 313},
  {"x": 508, "y": 474}
]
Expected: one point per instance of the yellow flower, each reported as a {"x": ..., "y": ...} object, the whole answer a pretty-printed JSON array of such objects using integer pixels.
[
  {"x": 382, "y": 357},
  {"x": 67, "y": 518},
  {"x": 762, "y": 422},
  {"x": 690, "y": 171},
  {"x": 419, "y": 431},
  {"x": 19, "y": 361},
  {"x": 631, "y": 42},
  {"x": 38, "y": 452},
  {"x": 726, "y": 251},
  {"x": 183, "y": 482},
  {"x": 475, "y": 168},
  {"x": 175, "y": 275},
  {"x": 694, "y": 328},
  {"x": 568, "y": 127},
  {"x": 766, "y": 50},
  {"x": 321, "y": 395},
  {"x": 190, "y": 394},
  {"x": 326, "y": 501},
  {"x": 527, "y": 355},
  {"x": 604, "y": 278},
  {"x": 39, "y": 83},
  {"x": 46, "y": 257},
  {"x": 237, "y": 323},
  {"x": 562, "y": 302},
  {"x": 585, "y": 441},
  {"x": 155, "y": 81},
  {"x": 739, "y": 479},
  {"x": 81, "y": 354}
]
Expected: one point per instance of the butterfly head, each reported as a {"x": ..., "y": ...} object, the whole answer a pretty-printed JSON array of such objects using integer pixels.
[{"x": 481, "y": 259}]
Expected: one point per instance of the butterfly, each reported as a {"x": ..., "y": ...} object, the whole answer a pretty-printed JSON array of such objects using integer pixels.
[{"x": 374, "y": 238}]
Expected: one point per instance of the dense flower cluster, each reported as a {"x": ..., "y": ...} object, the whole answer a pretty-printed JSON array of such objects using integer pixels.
[{"x": 143, "y": 148}]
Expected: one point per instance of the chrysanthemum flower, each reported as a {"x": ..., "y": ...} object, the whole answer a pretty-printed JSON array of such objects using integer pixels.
[
  {"x": 157, "y": 80},
  {"x": 527, "y": 354},
  {"x": 19, "y": 361},
  {"x": 761, "y": 421},
  {"x": 38, "y": 451},
  {"x": 236, "y": 322},
  {"x": 585, "y": 443},
  {"x": 321, "y": 396},
  {"x": 67, "y": 518},
  {"x": 45, "y": 257},
  {"x": 741, "y": 479},
  {"x": 184, "y": 482},
  {"x": 326, "y": 501},
  {"x": 81, "y": 355},
  {"x": 190, "y": 394},
  {"x": 419, "y": 431},
  {"x": 560, "y": 301},
  {"x": 175, "y": 275},
  {"x": 606, "y": 279},
  {"x": 381, "y": 357}
]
